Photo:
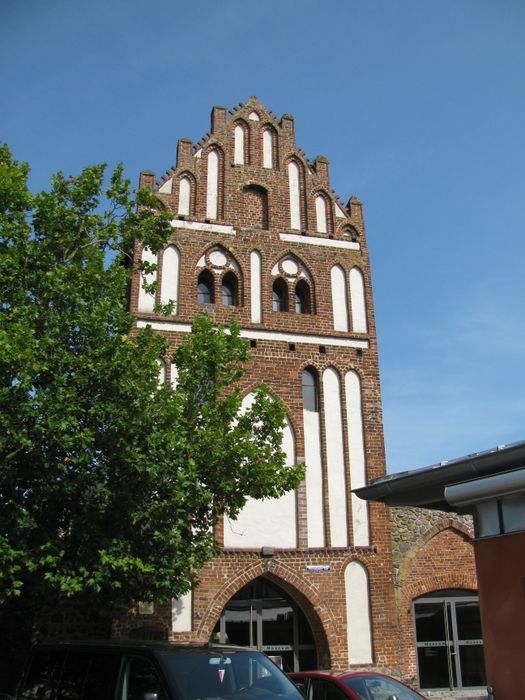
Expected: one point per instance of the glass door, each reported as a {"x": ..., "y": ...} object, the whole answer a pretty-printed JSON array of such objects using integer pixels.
[
  {"x": 448, "y": 641},
  {"x": 263, "y": 617}
]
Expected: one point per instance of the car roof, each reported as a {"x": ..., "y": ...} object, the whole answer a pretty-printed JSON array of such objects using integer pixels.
[
  {"x": 141, "y": 645},
  {"x": 334, "y": 674}
]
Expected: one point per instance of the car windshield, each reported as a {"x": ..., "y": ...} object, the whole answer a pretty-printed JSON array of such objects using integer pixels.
[
  {"x": 379, "y": 688},
  {"x": 232, "y": 675}
]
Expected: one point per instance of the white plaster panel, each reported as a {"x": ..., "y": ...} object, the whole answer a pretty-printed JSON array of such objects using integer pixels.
[
  {"x": 358, "y": 627},
  {"x": 174, "y": 376},
  {"x": 255, "y": 287},
  {"x": 202, "y": 226},
  {"x": 290, "y": 266},
  {"x": 275, "y": 270},
  {"x": 184, "y": 196},
  {"x": 357, "y": 300},
  {"x": 260, "y": 334},
  {"x": 169, "y": 285},
  {"x": 314, "y": 479},
  {"x": 340, "y": 214},
  {"x": 356, "y": 453},
  {"x": 147, "y": 301},
  {"x": 267, "y": 149},
  {"x": 335, "y": 458},
  {"x": 218, "y": 258},
  {"x": 295, "y": 195},
  {"x": 198, "y": 154},
  {"x": 181, "y": 613},
  {"x": 314, "y": 240},
  {"x": 339, "y": 299},
  {"x": 254, "y": 116},
  {"x": 162, "y": 370},
  {"x": 213, "y": 184},
  {"x": 320, "y": 210},
  {"x": 270, "y": 522},
  {"x": 238, "y": 151},
  {"x": 166, "y": 187}
]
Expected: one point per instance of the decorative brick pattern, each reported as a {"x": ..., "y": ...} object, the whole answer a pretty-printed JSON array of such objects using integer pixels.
[{"x": 255, "y": 202}]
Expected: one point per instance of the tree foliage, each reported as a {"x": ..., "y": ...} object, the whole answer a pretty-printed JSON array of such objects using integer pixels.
[{"x": 110, "y": 482}]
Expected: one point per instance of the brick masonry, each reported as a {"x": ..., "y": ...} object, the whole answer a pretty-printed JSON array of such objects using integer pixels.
[
  {"x": 255, "y": 201},
  {"x": 432, "y": 551}
]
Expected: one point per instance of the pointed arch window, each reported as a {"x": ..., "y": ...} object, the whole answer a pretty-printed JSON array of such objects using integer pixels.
[
  {"x": 302, "y": 298},
  {"x": 320, "y": 210},
  {"x": 229, "y": 290},
  {"x": 205, "y": 288},
  {"x": 239, "y": 139},
  {"x": 295, "y": 195},
  {"x": 184, "y": 196},
  {"x": 310, "y": 387},
  {"x": 212, "y": 192},
  {"x": 280, "y": 295},
  {"x": 267, "y": 149}
]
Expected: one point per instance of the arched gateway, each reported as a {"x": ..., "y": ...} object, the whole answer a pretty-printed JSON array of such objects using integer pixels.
[{"x": 263, "y": 616}]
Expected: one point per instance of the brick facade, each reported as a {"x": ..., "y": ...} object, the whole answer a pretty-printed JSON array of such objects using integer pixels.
[
  {"x": 252, "y": 206},
  {"x": 255, "y": 213}
]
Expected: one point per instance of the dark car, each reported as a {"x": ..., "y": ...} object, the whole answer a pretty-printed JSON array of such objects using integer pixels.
[
  {"x": 353, "y": 685},
  {"x": 151, "y": 671}
]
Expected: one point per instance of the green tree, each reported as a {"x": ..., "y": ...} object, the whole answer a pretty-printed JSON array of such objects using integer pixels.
[{"x": 111, "y": 483}]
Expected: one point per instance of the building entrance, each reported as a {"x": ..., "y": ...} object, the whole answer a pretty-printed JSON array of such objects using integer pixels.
[
  {"x": 448, "y": 639},
  {"x": 262, "y": 616}
]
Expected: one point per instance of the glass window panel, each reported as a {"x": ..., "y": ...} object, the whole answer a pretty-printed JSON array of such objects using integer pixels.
[
  {"x": 513, "y": 513},
  {"x": 487, "y": 519},
  {"x": 278, "y": 624},
  {"x": 433, "y": 667},
  {"x": 430, "y": 622},
  {"x": 43, "y": 675},
  {"x": 472, "y": 666},
  {"x": 140, "y": 678},
  {"x": 468, "y": 620},
  {"x": 310, "y": 391}
]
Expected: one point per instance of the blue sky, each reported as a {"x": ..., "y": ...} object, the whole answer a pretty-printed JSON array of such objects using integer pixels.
[{"x": 419, "y": 106}]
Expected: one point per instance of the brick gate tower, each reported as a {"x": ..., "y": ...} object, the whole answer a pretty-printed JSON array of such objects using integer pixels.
[{"x": 260, "y": 237}]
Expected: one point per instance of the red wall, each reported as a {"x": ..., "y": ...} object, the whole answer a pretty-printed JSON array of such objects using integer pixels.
[{"x": 500, "y": 563}]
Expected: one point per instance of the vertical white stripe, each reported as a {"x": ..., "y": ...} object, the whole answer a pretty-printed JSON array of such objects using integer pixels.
[
  {"x": 169, "y": 285},
  {"x": 213, "y": 185},
  {"x": 267, "y": 149},
  {"x": 147, "y": 301},
  {"x": 335, "y": 458},
  {"x": 357, "y": 297},
  {"x": 255, "y": 287},
  {"x": 295, "y": 196},
  {"x": 339, "y": 299},
  {"x": 181, "y": 613},
  {"x": 162, "y": 370},
  {"x": 320, "y": 210},
  {"x": 356, "y": 452},
  {"x": 174, "y": 376},
  {"x": 271, "y": 522},
  {"x": 238, "y": 155},
  {"x": 358, "y": 627},
  {"x": 184, "y": 196},
  {"x": 314, "y": 479}
]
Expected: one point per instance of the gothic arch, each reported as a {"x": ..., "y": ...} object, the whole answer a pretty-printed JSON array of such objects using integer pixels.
[
  {"x": 445, "y": 524},
  {"x": 325, "y": 625}
]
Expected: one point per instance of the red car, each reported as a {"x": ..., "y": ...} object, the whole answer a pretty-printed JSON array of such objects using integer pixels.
[{"x": 351, "y": 685}]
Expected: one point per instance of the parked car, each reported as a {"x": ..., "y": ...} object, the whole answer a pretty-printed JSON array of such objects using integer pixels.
[
  {"x": 151, "y": 671},
  {"x": 353, "y": 685}
]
